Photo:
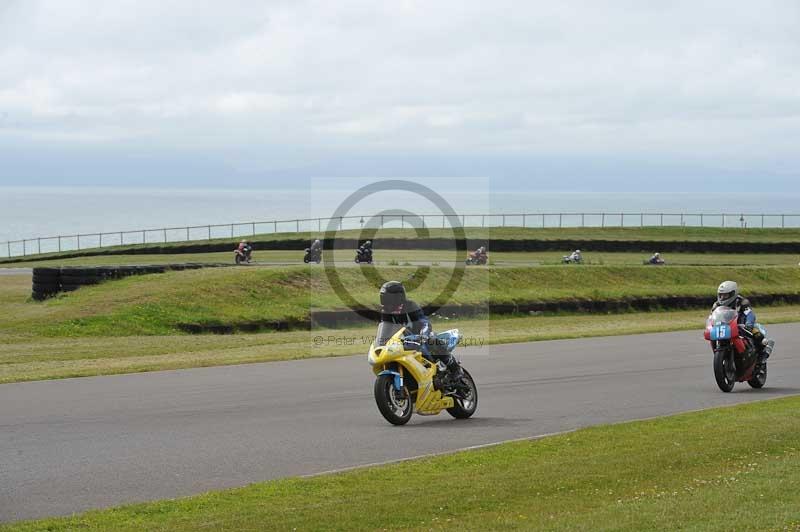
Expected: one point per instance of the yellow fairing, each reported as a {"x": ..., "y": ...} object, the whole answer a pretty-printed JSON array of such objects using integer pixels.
[{"x": 428, "y": 401}]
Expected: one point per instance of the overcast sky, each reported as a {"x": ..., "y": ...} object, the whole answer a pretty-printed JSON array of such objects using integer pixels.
[{"x": 560, "y": 95}]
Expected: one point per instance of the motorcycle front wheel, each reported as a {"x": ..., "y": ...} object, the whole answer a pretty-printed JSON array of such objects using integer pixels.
[
  {"x": 759, "y": 380},
  {"x": 724, "y": 372},
  {"x": 465, "y": 405},
  {"x": 395, "y": 405},
  {"x": 238, "y": 259}
]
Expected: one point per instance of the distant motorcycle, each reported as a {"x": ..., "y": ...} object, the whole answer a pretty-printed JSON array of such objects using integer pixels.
[
  {"x": 476, "y": 258},
  {"x": 735, "y": 356},
  {"x": 313, "y": 255},
  {"x": 363, "y": 256},
  {"x": 570, "y": 259},
  {"x": 242, "y": 256}
]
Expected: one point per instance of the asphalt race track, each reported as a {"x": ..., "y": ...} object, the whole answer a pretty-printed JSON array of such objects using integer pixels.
[{"x": 75, "y": 444}]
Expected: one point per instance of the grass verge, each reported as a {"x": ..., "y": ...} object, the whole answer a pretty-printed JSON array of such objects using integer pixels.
[
  {"x": 721, "y": 469},
  {"x": 27, "y": 358},
  {"x": 159, "y": 304}
]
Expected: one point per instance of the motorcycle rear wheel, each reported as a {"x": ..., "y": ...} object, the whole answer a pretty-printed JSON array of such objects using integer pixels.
[
  {"x": 464, "y": 408},
  {"x": 396, "y": 411},
  {"x": 724, "y": 375},
  {"x": 238, "y": 259}
]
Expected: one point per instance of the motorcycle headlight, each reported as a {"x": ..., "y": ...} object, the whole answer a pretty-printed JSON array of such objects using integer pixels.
[{"x": 394, "y": 347}]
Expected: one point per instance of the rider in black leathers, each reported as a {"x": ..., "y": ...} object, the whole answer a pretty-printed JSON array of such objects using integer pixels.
[
  {"x": 365, "y": 251},
  {"x": 397, "y": 308}
]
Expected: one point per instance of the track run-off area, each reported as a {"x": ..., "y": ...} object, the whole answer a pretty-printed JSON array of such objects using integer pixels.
[{"x": 75, "y": 444}]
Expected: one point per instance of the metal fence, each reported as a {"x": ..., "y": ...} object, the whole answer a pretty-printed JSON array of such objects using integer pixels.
[{"x": 50, "y": 244}]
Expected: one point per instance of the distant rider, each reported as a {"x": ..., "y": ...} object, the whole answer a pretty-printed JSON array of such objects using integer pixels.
[
  {"x": 728, "y": 296},
  {"x": 316, "y": 246},
  {"x": 656, "y": 259},
  {"x": 397, "y": 308},
  {"x": 365, "y": 250},
  {"x": 245, "y": 249},
  {"x": 576, "y": 256}
]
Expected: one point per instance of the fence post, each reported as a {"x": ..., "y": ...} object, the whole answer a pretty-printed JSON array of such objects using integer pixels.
[
  {"x": 622, "y": 219},
  {"x": 231, "y": 230},
  {"x": 275, "y": 230},
  {"x": 144, "y": 237},
  {"x": 583, "y": 219},
  {"x": 187, "y": 234},
  {"x": 209, "y": 232},
  {"x": 165, "y": 236},
  {"x": 462, "y": 220},
  {"x": 723, "y": 221},
  {"x": 120, "y": 238},
  {"x": 602, "y": 219},
  {"x": 319, "y": 224},
  {"x": 662, "y": 219},
  {"x": 59, "y": 245},
  {"x": 504, "y": 220},
  {"x": 444, "y": 218},
  {"x": 402, "y": 222},
  {"x": 8, "y": 245},
  {"x": 701, "y": 220},
  {"x": 101, "y": 239},
  {"x": 39, "y": 245},
  {"x": 297, "y": 226},
  {"x": 483, "y": 220},
  {"x": 762, "y": 221},
  {"x": 641, "y": 220},
  {"x": 560, "y": 215},
  {"x": 79, "y": 242},
  {"x": 783, "y": 221},
  {"x": 24, "y": 248},
  {"x": 681, "y": 219},
  {"x": 524, "y": 221}
]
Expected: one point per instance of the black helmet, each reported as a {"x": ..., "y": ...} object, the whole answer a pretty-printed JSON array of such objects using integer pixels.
[{"x": 393, "y": 296}]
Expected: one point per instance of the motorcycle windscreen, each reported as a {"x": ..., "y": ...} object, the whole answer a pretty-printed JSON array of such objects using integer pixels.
[
  {"x": 723, "y": 315},
  {"x": 719, "y": 323},
  {"x": 386, "y": 329}
]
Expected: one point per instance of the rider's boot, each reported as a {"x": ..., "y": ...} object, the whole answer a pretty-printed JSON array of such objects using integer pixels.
[
  {"x": 766, "y": 350},
  {"x": 454, "y": 370}
]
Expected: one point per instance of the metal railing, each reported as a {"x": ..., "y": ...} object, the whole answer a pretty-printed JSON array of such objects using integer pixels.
[{"x": 76, "y": 242}]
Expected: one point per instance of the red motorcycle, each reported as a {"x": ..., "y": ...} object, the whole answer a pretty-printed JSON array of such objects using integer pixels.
[
  {"x": 242, "y": 256},
  {"x": 735, "y": 356},
  {"x": 477, "y": 258}
]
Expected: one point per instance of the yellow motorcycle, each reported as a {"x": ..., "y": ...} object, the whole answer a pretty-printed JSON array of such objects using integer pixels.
[{"x": 407, "y": 381}]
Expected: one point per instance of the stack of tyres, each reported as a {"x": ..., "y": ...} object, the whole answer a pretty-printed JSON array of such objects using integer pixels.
[
  {"x": 49, "y": 281},
  {"x": 46, "y": 283},
  {"x": 74, "y": 278}
]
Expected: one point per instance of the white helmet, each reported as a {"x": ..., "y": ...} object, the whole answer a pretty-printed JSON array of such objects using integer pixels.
[
  {"x": 658, "y": 254},
  {"x": 578, "y": 251},
  {"x": 727, "y": 292}
]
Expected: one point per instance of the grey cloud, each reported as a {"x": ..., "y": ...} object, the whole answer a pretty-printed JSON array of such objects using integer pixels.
[{"x": 714, "y": 82}]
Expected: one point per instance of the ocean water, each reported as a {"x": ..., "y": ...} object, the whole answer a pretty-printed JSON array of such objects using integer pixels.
[{"x": 44, "y": 212}]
